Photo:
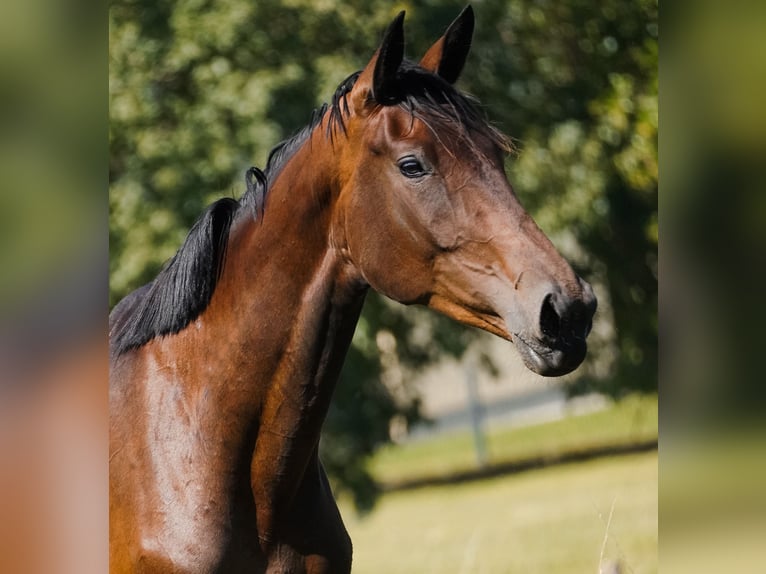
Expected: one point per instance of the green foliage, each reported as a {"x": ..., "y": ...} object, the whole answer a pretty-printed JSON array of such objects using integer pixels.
[{"x": 201, "y": 91}]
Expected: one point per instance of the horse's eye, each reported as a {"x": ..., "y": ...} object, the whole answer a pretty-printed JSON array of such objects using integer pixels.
[{"x": 410, "y": 167}]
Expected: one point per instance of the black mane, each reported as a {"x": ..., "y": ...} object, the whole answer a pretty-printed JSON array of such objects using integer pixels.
[
  {"x": 183, "y": 288},
  {"x": 185, "y": 285}
]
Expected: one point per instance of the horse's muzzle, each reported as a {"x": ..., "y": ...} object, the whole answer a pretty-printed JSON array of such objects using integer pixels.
[{"x": 557, "y": 345}]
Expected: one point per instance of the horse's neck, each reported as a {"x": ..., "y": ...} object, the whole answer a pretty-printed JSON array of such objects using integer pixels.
[
  {"x": 295, "y": 301},
  {"x": 287, "y": 302}
]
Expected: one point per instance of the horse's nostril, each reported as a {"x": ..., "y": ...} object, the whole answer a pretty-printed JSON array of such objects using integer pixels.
[{"x": 550, "y": 323}]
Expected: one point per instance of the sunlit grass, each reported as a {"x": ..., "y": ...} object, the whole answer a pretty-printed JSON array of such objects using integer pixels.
[
  {"x": 631, "y": 420},
  {"x": 551, "y": 521}
]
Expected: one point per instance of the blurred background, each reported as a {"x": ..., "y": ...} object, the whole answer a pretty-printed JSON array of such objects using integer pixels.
[
  {"x": 201, "y": 91},
  {"x": 197, "y": 92}
]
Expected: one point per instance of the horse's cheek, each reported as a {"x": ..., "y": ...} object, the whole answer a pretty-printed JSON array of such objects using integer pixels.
[{"x": 392, "y": 261}]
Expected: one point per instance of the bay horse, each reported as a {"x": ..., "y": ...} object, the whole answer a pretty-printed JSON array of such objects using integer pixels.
[{"x": 223, "y": 367}]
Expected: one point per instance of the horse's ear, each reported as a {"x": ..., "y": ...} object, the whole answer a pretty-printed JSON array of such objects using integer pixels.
[
  {"x": 378, "y": 79},
  {"x": 390, "y": 56},
  {"x": 447, "y": 56}
]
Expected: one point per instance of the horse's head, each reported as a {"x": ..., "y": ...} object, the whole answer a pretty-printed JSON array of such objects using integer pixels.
[{"x": 428, "y": 216}]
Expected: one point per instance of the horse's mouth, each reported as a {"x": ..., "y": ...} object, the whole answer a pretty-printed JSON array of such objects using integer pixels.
[
  {"x": 549, "y": 358},
  {"x": 549, "y": 361}
]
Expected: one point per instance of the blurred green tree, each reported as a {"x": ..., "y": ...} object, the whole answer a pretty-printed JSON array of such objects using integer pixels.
[{"x": 200, "y": 91}]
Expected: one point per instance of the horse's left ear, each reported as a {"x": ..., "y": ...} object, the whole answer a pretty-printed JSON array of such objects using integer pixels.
[{"x": 447, "y": 56}]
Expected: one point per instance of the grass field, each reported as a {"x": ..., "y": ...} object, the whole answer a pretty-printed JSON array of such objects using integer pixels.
[
  {"x": 551, "y": 521},
  {"x": 548, "y": 521},
  {"x": 631, "y": 420}
]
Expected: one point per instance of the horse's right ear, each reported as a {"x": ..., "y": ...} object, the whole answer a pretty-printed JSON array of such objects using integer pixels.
[
  {"x": 390, "y": 55},
  {"x": 378, "y": 81}
]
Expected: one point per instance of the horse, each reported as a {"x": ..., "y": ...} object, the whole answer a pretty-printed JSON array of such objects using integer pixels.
[{"x": 222, "y": 368}]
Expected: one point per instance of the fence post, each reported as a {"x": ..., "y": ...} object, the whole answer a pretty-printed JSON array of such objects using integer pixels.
[{"x": 475, "y": 408}]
